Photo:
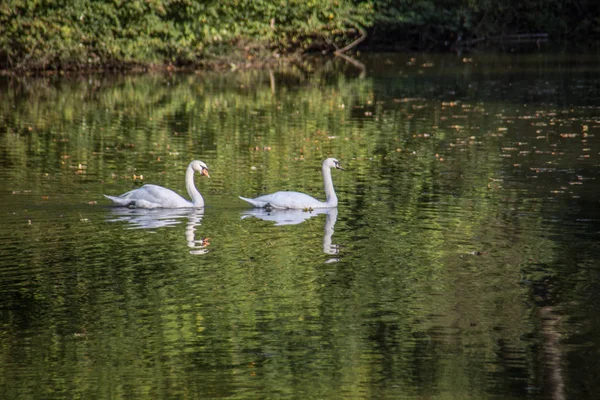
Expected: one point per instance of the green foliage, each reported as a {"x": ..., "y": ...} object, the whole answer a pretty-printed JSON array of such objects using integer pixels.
[{"x": 85, "y": 33}]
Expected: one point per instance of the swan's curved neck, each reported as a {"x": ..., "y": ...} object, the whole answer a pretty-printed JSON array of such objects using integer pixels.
[
  {"x": 191, "y": 188},
  {"x": 330, "y": 221},
  {"x": 331, "y": 198}
]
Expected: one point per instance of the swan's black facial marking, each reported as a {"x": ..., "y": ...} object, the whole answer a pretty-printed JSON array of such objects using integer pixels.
[
  {"x": 337, "y": 164},
  {"x": 202, "y": 169}
]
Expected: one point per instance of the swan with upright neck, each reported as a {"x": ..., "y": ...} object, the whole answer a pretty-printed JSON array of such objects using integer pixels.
[
  {"x": 154, "y": 196},
  {"x": 297, "y": 200}
]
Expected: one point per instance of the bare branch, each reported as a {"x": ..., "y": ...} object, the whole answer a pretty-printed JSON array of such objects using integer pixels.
[{"x": 363, "y": 36}]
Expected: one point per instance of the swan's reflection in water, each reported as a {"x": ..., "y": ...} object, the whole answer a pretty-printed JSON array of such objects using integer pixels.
[
  {"x": 141, "y": 218},
  {"x": 293, "y": 217}
]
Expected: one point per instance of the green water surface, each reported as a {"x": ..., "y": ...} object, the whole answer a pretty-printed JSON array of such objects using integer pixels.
[{"x": 461, "y": 263}]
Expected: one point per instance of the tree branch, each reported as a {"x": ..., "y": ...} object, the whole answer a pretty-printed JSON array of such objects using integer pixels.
[{"x": 363, "y": 36}]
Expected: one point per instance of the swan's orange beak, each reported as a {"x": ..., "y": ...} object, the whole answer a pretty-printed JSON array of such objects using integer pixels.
[{"x": 205, "y": 172}]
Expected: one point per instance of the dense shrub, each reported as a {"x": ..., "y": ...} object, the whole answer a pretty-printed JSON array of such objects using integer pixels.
[
  {"x": 45, "y": 33},
  {"x": 91, "y": 33}
]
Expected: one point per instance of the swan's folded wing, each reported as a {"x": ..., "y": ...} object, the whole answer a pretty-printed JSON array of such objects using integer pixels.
[
  {"x": 151, "y": 196},
  {"x": 285, "y": 200}
]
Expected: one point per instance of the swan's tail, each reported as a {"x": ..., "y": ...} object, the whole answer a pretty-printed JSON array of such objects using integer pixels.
[
  {"x": 255, "y": 203},
  {"x": 118, "y": 200}
]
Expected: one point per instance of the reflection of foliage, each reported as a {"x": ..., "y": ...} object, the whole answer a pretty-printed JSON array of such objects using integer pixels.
[{"x": 437, "y": 263}]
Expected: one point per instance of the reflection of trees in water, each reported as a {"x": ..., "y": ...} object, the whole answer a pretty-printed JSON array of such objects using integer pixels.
[
  {"x": 553, "y": 351},
  {"x": 420, "y": 151}
]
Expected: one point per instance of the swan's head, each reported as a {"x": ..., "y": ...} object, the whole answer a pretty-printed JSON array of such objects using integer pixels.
[
  {"x": 199, "y": 166},
  {"x": 332, "y": 163}
]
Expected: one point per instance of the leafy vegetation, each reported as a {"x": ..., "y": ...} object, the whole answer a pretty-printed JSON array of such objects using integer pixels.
[{"x": 90, "y": 34}]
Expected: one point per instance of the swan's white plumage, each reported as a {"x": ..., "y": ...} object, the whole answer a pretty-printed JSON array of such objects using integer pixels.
[
  {"x": 283, "y": 200},
  {"x": 154, "y": 196},
  {"x": 297, "y": 200}
]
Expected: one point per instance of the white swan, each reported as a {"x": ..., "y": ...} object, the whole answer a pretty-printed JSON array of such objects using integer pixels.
[
  {"x": 154, "y": 196},
  {"x": 297, "y": 200}
]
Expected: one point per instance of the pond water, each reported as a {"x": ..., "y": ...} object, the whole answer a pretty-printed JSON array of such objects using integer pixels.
[{"x": 461, "y": 262}]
